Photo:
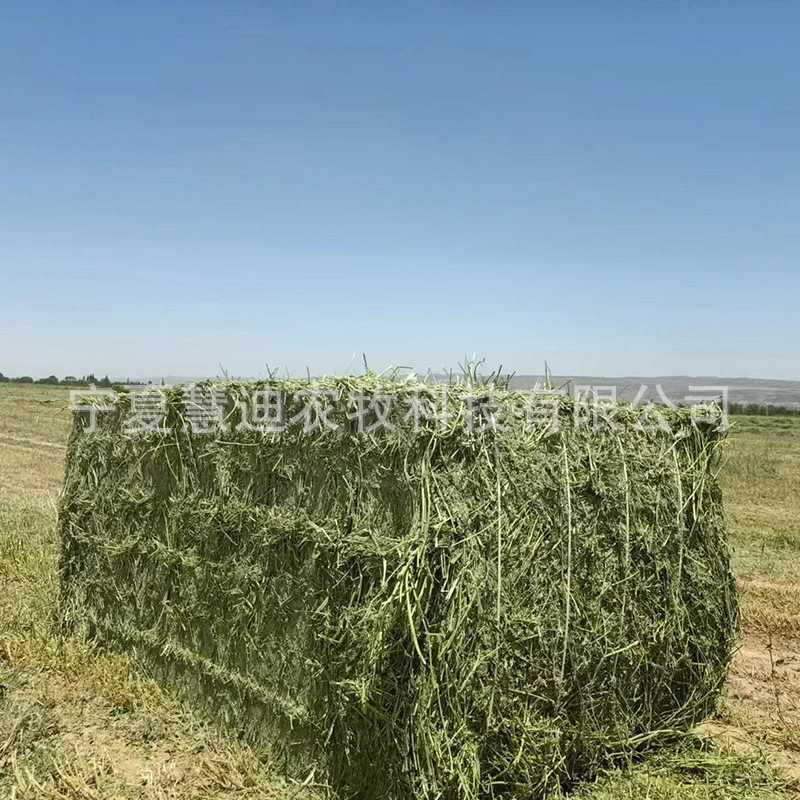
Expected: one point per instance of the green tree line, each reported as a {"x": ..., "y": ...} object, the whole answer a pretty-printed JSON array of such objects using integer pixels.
[
  {"x": 53, "y": 380},
  {"x": 763, "y": 409}
]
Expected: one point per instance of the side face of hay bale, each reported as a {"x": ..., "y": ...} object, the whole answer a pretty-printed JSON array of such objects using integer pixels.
[{"x": 429, "y": 613}]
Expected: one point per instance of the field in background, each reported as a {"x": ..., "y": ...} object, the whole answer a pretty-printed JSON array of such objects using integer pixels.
[{"x": 77, "y": 724}]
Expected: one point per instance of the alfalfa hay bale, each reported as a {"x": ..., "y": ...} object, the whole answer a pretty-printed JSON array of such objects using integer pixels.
[{"x": 434, "y": 609}]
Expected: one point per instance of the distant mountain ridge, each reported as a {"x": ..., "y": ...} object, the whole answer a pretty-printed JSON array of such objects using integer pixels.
[{"x": 675, "y": 387}]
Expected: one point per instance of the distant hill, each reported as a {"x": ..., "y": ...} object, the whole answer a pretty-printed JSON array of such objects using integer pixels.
[{"x": 676, "y": 387}]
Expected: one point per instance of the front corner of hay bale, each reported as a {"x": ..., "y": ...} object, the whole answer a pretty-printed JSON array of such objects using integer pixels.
[{"x": 429, "y": 612}]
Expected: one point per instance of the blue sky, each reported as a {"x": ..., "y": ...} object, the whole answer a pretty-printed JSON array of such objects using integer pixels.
[{"x": 611, "y": 187}]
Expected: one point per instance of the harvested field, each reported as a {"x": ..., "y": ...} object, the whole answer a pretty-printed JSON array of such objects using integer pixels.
[{"x": 78, "y": 723}]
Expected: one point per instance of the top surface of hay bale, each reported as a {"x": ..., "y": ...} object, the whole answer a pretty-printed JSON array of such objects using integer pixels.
[{"x": 437, "y": 596}]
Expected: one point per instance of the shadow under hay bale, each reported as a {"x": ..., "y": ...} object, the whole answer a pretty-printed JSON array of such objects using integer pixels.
[{"x": 443, "y": 612}]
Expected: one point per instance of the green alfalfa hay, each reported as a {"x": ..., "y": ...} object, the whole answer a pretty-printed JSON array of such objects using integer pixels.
[{"x": 441, "y": 613}]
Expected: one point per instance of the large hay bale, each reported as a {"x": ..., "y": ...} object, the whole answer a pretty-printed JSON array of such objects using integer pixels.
[{"x": 441, "y": 612}]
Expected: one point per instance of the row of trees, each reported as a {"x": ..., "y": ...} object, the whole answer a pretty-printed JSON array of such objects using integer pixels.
[
  {"x": 763, "y": 409},
  {"x": 52, "y": 380}
]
